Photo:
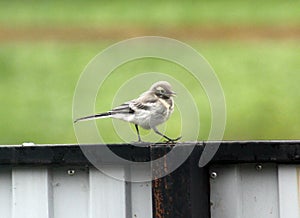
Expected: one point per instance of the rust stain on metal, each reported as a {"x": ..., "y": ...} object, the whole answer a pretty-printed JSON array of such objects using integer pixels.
[
  {"x": 158, "y": 199},
  {"x": 159, "y": 188},
  {"x": 165, "y": 171}
]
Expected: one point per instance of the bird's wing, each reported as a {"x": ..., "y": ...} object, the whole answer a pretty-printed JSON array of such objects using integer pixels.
[
  {"x": 145, "y": 102},
  {"x": 142, "y": 103},
  {"x": 123, "y": 108}
]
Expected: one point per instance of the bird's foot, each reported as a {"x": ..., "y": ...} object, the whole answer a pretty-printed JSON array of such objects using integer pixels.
[{"x": 169, "y": 140}]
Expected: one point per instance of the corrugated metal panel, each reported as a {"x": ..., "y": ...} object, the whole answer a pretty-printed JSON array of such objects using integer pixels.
[
  {"x": 30, "y": 187},
  {"x": 141, "y": 197},
  {"x": 239, "y": 190},
  {"x": 288, "y": 186},
  {"x": 77, "y": 192},
  {"x": 106, "y": 193},
  {"x": 250, "y": 190},
  {"x": 5, "y": 192},
  {"x": 70, "y": 192},
  {"x": 88, "y": 193}
]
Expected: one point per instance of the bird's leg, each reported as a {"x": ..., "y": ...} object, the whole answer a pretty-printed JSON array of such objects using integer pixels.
[
  {"x": 166, "y": 137},
  {"x": 138, "y": 132}
]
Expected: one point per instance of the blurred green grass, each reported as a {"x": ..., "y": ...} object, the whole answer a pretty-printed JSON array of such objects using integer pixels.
[
  {"x": 162, "y": 13},
  {"x": 260, "y": 82},
  {"x": 37, "y": 79},
  {"x": 37, "y": 85}
]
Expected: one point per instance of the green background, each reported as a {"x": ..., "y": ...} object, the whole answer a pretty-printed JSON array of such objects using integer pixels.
[{"x": 260, "y": 76}]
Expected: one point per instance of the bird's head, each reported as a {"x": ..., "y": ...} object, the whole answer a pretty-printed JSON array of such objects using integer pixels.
[{"x": 162, "y": 89}]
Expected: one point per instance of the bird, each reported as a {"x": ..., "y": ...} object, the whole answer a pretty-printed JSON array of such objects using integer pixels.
[{"x": 149, "y": 110}]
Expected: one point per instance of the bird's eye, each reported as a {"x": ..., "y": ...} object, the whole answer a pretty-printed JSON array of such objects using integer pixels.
[{"x": 162, "y": 91}]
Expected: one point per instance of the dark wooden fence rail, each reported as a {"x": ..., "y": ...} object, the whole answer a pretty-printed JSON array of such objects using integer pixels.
[{"x": 182, "y": 193}]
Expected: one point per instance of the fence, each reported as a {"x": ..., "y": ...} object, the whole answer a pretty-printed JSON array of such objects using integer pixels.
[{"x": 244, "y": 179}]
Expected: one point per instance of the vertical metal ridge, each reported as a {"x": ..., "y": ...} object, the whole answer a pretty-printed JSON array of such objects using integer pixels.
[
  {"x": 107, "y": 194},
  {"x": 141, "y": 191},
  {"x": 128, "y": 191},
  {"x": 288, "y": 191},
  {"x": 30, "y": 192},
  {"x": 6, "y": 192},
  {"x": 50, "y": 193}
]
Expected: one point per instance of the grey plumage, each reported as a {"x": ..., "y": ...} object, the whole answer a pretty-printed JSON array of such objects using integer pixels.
[{"x": 152, "y": 108}]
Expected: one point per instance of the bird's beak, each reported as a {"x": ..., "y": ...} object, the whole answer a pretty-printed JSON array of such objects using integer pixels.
[{"x": 173, "y": 93}]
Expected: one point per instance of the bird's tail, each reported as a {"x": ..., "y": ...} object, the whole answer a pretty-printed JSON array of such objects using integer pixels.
[{"x": 93, "y": 117}]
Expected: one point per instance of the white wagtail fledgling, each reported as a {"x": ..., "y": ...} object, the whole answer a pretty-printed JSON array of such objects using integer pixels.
[{"x": 152, "y": 108}]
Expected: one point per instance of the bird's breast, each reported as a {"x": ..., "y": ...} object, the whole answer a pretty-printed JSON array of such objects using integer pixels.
[{"x": 168, "y": 105}]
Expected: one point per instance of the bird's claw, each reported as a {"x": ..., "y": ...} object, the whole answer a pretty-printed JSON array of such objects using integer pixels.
[{"x": 169, "y": 140}]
